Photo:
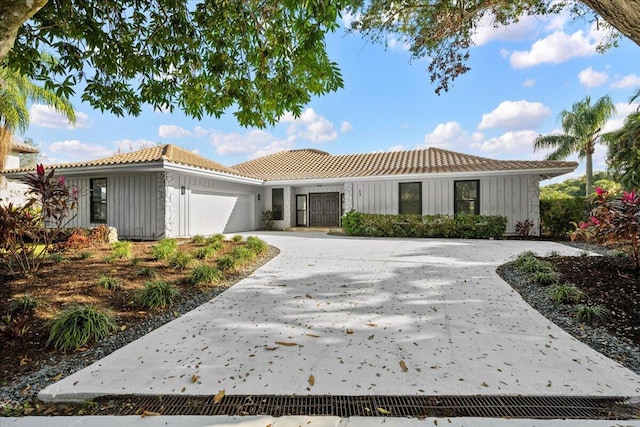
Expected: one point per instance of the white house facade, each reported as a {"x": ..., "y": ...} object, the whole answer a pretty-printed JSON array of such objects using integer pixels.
[
  {"x": 166, "y": 191},
  {"x": 12, "y": 191}
]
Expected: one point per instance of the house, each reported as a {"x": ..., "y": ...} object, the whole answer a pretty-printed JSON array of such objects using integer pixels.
[
  {"x": 13, "y": 191},
  {"x": 166, "y": 191}
]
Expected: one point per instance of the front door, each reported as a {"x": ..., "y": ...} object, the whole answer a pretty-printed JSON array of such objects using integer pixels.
[{"x": 324, "y": 209}]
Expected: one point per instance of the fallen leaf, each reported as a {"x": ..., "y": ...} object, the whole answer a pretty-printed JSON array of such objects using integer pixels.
[
  {"x": 271, "y": 348},
  {"x": 149, "y": 414},
  {"x": 371, "y": 337},
  {"x": 286, "y": 344},
  {"x": 24, "y": 361},
  {"x": 484, "y": 384},
  {"x": 313, "y": 335},
  {"x": 194, "y": 378},
  {"x": 383, "y": 411},
  {"x": 403, "y": 366},
  {"x": 57, "y": 377},
  {"x": 373, "y": 325},
  {"x": 123, "y": 327},
  {"x": 367, "y": 409},
  {"x": 349, "y": 331},
  {"x": 218, "y": 397},
  {"x": 312, "y": 380}
]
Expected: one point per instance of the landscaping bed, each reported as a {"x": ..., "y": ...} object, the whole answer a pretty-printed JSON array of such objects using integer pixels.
[{"x": 28, "y": 364}]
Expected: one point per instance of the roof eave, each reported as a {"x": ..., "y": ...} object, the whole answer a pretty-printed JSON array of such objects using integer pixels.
[{"x": 178, "y": 167}]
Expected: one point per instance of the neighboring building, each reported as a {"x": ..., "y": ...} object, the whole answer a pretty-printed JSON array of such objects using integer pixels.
[
  {"x": 166, "y": 191},
  {"x": 13, "y": 191}
]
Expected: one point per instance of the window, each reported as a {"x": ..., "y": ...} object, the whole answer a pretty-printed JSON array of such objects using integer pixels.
[
  {"x": 99, "y": 200},
  {"x": 277, "y": 203},
  {"x": 467, "y": 197},
  {"x": 411, "y": 198}
]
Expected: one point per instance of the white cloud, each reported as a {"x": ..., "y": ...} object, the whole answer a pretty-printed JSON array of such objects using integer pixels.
[
  {"x": 310, "y": 126},
  {"x": 395, "y": 43},
  {"x": 513, "y": 142},
  {"x": 591, "y": 78},
  {"x": 346, "y": 127},
  {"x": 515, "y": 115},
  {"x": 529, "y": 83},
  {"x": 623, "y": 109},
  {"x": 200, "y": 131},
  {"x": 44, "y": 116},
  {"x": 630, "y": 80},
  {"x": 348, "y": 18},
  {"x": 556, "y": 48},
  {"x": 487, "y": 32},
  {"x": 173, "y": 131},
  {"x": 74, "y": 150},
  {"x": 447, "y": 135},
  {"x": 255, "y": 143}
]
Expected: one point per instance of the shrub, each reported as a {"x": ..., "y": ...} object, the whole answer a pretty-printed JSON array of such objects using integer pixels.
[
  {"x": 525, "y": 257},
  {"x": 614, "y": 220},
  {"x": 78, "y": 325},
  {"x": 566, "y": 294},
  {"x": 146, "y": 272},
  {"x": 109, "y": 283},
  {"x": 459, "y": 226},
  {"x": 534, "y": 265},
  {"x": 180, "y": 260},
  {"x": 591, "y": 313},
  {"x": 544, "y": 277},
  {"x": 558, "y": 215},
  {"x": 78, "y": 240},
  {"x": 242, "y": 254},
  {"x": 164, "y": 249},
  {"x": 24, "y": 305},
  {"x": 99, "y": 234},
  {"x": 215, "y": 239},
  {"x": 84, "y": 255},
  {"x": 257, "y": 245},
  {"x": 198, "y": 239},
  {"x": 205, "y": 252},
  {"x": 156, "y": 294},
  {"x": 57, "y": 257},
  {"x": 205, "y": 274},
  {"x": 228, "y": 263},
  {"x": 236, "y": 238},
  {"x": 267, "y": 220},
  {"x": 120, "y": 250},
  {"x": 523, "y": 228},
  {"x": 136, "y": 261},
  {"x": 14, "y": 325}
]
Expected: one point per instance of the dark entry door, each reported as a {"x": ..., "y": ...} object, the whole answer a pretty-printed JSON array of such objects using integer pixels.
[{"x": 324, "y": 209}]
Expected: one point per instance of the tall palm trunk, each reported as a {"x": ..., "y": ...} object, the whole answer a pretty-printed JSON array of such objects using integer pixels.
[
  {"x": 589, "y": 170},
  {"x": 5, "y": 145}
]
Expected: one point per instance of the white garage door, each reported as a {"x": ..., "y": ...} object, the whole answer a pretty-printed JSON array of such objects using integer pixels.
[{"x": 211, "y": 213}]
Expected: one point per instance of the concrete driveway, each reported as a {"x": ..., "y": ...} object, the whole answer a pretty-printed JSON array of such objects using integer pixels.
[{"x": 363, "y": 317}]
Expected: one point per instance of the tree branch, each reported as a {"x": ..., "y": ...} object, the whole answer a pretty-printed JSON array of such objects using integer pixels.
[{"x": 13, "y": 13}]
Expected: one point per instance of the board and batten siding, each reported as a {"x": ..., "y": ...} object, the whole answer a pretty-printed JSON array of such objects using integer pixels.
[
  {"x": 513, "y": 196},
  {"x": 132, "y": 205},
  {"x": 177, "y": 205}
]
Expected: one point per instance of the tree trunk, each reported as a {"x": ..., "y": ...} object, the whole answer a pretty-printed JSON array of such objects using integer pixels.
[
  {"x": 624, "y": 15},
  {"x": 589, "y": 165},
  {"x": 13, "y": 13}
]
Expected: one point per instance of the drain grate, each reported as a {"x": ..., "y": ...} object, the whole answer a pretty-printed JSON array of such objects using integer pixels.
[{"x": 541, "y": 407}]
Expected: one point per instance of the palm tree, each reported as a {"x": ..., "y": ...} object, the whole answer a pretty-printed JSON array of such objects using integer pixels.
[
  {"x": 16, "y": 90},
  {"x": 581, "y": 128},
  {"x": 623, "y": 156}
]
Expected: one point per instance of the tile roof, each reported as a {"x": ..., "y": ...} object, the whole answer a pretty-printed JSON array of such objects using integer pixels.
[
  {"x": 157, "y": 153},
  {"x": 316, "y": 164},
  {"x": 22, "y": 147}
]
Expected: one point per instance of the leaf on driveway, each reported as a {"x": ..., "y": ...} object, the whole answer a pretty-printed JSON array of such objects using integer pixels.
[
  {"x": 271, "y": 348},
  {"x": 403, "y": 366},
  {"x": 313, "y": 335},
  {"x": 312, "y": 380},
  {"x": 373, "y": 325},
  {"x": 24, "y": 361},
  {"x": 149, "y": 414},
  {"x": 383, "y": 411},
  {"x": 218, "y": 397},
  {"x": 349, "y": 331},
  {"x": 194, "y": 378},
  {"x": 286, "y": 344}
]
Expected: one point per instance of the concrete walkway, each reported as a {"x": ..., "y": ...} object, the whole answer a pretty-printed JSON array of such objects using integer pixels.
[{"x": 364, "y": 317}]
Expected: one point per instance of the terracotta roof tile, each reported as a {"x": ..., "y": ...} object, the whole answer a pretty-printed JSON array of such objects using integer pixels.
[
  {"x": 22, "y": 147},
  {"x": 315, "y": 164},
  {"x": 157, "y": 153}
]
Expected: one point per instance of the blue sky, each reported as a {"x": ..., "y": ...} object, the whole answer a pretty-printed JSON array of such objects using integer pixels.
[{"x": 522, "y": 77}]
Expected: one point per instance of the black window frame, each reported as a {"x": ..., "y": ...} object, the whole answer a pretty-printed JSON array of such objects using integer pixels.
[
  {"x": 277, "y": 194},
  {"x": 457, "y": 200},
  {"x": 402, "y": 209},
  {"x": 95, "y": 198}
]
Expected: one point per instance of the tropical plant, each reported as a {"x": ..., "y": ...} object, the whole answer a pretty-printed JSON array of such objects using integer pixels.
[
  {"x": 614, "y": 219},
  {"x": 523, "y": 228},
  {"x": 236, "y": 238},
  {"x": 623, "y": 155},
  {"x": 228, "y": 263},
  {"x": 164, "y": 249},
  {"x": 180, "y": 260},
  {"x": 25, "y": 304},
  {"x": 256, "y": 245},
  {"x": 525, "y": 257},
  {"x": 16, "y": 91},
  {"x": 109, "y": 283},
  {"x": 205, "y": 274},
  {"x": 205, "y": 252},
  {"x": 581, "y": 128},
  {"x": 78, "y": 325},
  {"x": 243, "y": 254},
  {"x": 156, "y": 294},
  {"x": 267, "y": 220},
  {"x": 146, "y": 272},
  {"x": 122, "y": 249},
  {"x": 544, "y": 277},
  {"x": 216, "y": 239},
  {"x": 198, "y": 239}
]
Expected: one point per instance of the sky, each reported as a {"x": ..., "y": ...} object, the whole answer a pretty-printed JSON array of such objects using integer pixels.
[{"x": 522, "y": 76}]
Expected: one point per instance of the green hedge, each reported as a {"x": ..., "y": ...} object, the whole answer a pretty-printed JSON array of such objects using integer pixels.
[
  {"x": 558, "y": 214},
  {"x": 459, "y": 226}
]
